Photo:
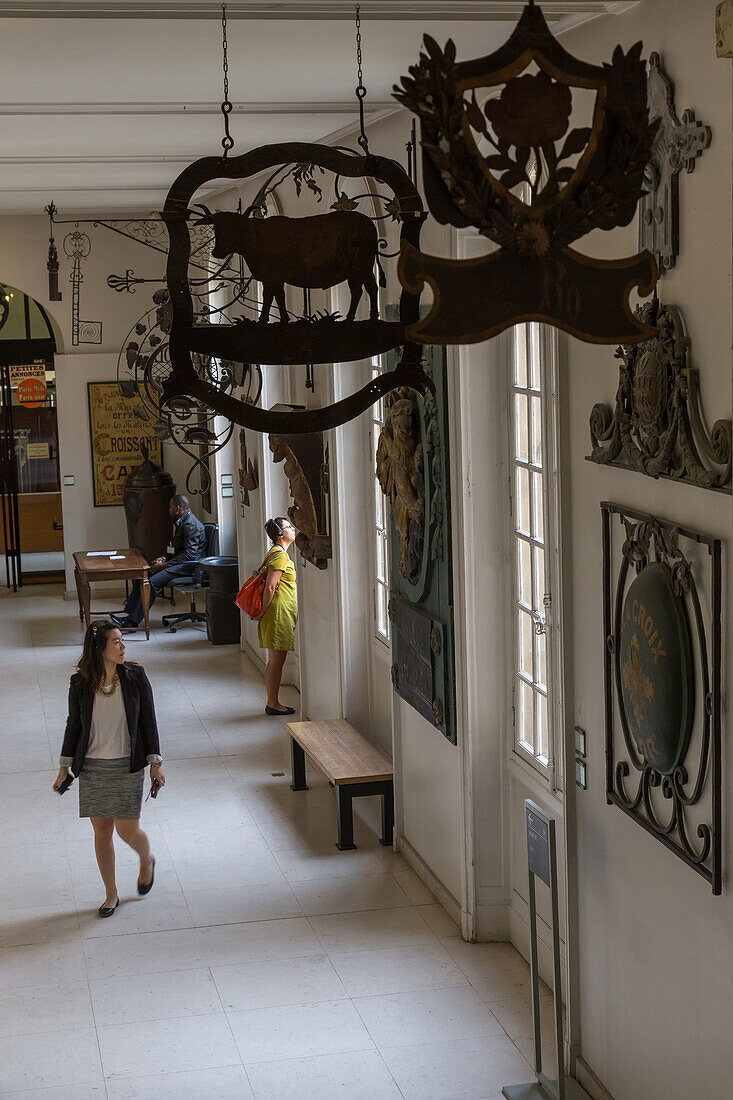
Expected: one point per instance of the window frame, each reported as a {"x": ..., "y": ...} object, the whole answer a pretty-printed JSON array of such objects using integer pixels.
[
  {"x": 377, "y": 420},
  {"x": 547, "y": 767}
]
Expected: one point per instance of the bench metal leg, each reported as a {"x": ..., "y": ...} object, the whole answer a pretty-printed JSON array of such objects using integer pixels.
[
  {"x": 297, "y": 757},
  {"x": 387, "y": 815},
  {"x": 345, "y": 819}
]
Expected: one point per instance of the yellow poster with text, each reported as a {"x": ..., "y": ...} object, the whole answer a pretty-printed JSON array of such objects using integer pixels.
[{"x": 116, "y": 437}]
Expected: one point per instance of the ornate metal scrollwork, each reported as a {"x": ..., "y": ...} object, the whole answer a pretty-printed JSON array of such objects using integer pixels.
[
  {"x": 677, "y": 145},
  {"x": 663, "y": 684},
  {"x": 657, "y": 426},
  {"x": 306, "y": 467}
]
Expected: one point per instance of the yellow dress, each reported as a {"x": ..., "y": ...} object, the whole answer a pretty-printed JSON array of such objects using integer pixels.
[{"x": 276, "y": 628}]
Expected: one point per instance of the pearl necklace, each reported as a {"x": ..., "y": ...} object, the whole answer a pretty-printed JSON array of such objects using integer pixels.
[{"x": 113, "y": 686}]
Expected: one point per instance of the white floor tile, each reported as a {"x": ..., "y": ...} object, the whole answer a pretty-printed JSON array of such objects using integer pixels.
[
  {"x": 371, "y": 930},
  {"x": 496, "y": 970},
  {"x": 60, "y": 1092},
  {"x": 188, "y": 1043},
  {"x": 278, "y": 982},
  {"x": 426, "y": 1015},
  {"x": 469, "y": 1069},
  {"x": 154, "y": 997},
  {"x": 304, "y": 864},
  {"x": 144, "y": 953},
  {"x": 240, "y": 904},
  {"x": 246, "y": 869},
  {"x": 397, "y": 970},
  {"x": 276, "y": 939},
  {"x": 436, "y": 917},
  {"x": 52, "y": 923},
  {"x": 349, "y": 895},
  {"x": 24, "y": 967},
  {"x": 224, "y": 1083},
  {"x": 43, "y": 1060},
  {"x": 40, "y": 1009},
  {"x": 358, "y": 1076},
  {"x": 298, "y": 1031}
]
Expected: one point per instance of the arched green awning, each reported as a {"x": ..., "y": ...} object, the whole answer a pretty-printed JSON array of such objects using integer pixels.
[{"x": 25, "y": 327}]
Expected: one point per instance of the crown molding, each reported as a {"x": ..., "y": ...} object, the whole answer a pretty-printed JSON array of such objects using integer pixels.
[
  {"x": 419, "y": 10},
  {"x": 300, "y": 107}
]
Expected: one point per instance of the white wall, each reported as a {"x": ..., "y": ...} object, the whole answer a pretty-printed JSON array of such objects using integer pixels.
[{"x": 655, "y": 973}]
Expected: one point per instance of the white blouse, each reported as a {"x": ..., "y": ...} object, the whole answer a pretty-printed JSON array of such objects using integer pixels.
[{"x": 109, "y": 737}]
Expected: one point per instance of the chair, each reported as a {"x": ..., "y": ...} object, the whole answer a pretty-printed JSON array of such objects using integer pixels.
[{"x": 189, "y": 586}]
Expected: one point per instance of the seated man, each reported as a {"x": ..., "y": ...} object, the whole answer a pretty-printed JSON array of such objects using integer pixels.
[{"x": 189, "y": 546}]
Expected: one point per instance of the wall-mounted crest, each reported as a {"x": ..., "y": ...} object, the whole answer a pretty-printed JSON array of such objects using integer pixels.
[
  {"x": 677, "y": 145},
  {"x": 663, "y": 683},
  {"x": 511, "y": 167},
  {"x": 316, "y": 252},
  {"x": 657, "y": 426}
]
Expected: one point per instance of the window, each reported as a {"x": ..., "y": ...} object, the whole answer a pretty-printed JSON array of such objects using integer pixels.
[
  {"x": 380, "y": 530},
  {"x": 531, "y": 489}
]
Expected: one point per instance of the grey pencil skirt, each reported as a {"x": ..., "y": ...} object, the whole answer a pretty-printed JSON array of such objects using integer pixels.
[{"x": 107, "y": 788}]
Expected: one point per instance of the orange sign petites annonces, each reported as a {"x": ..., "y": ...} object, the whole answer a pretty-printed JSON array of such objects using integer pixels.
[{"x": 32, "y": 392}]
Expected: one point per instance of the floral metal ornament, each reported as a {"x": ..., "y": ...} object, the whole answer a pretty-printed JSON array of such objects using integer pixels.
[
  {"x": 511, "y": 167},
  {"x": 657, "y": 426}
]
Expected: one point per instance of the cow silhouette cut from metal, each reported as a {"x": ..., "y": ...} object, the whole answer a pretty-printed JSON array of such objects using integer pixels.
[
  {"x": 508, "y": 164},
  {"x": 316, "y": 252}
]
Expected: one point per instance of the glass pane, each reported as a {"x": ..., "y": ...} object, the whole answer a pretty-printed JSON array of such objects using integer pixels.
[
  {"x": 536, "y": 420},
  {"x": 520, "y": 355},
  {"x": 521, "y": 481},
  {"x": 381, "y": 610},
  {"x": 525, "y": 643},
  {"x": 539, "y": 578},
  {"x": 541, "y": 738},
  {"x": 525, "y": 716},
  {"x": 534, "y": 356},
  {"x": 381, "y": 558},
  {"x": 524, "y": 570},
  {"x": 538, "y": 515},
  {"x": 540, "y": 668},
  {"x": 521, "y": 443}
]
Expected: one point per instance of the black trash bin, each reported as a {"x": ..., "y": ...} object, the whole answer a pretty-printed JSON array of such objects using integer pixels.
[{"x": 223, "y": 622}]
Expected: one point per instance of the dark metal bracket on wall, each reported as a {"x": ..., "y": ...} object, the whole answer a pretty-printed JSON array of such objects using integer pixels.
[
  {"x": 306, "y": 466},
  {"x": 664, "y": 767}
]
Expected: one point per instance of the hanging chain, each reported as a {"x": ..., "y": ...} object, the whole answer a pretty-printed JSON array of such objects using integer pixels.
[
  {"x": 226, "y": 107},
  {"x": 360, "y": 89}
]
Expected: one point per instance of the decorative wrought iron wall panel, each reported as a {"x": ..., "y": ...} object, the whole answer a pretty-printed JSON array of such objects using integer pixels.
[{"x": 662, "y": 610}]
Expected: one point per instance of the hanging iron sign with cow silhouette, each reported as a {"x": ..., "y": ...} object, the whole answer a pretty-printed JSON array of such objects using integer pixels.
[{"x": 319, "y": 252}]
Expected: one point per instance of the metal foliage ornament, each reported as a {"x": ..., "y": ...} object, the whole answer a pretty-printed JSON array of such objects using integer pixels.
[
  {"x": 509, "y": 167},
  {"x": 657, "y": 426},
  {"x": 677, "y": 145},
  {"x": 663, "y": 684}
]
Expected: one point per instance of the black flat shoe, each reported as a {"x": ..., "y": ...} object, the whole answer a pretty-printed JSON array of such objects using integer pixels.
[
  {"x": 108, "y": 911},
  {"x": 143, "y": 890},
  {"x": 122, "y": 620},
  {"x": 280, "y": 713}
]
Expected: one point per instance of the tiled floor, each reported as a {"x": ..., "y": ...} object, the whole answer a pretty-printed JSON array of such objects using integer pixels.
[{"x": 264, "y": 963}]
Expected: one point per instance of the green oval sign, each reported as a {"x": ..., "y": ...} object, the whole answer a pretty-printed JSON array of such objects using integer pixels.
[{"x": 655, "y": 673}]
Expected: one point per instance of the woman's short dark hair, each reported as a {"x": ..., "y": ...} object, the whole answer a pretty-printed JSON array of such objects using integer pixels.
[
  {"x": 91, "y": 665},
  {"x": 274, "y": 528}
]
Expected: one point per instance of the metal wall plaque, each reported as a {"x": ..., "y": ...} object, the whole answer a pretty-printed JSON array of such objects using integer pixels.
[
  {"x": 538, "y": 844},
  {"x": 662, "y": 625},
  {"x": 412, "y": 671}
]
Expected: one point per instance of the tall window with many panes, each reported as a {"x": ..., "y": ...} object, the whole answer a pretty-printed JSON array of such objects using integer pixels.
[
  {"x": 532, "y": 600},
  {"x": 380, "y": 530}
]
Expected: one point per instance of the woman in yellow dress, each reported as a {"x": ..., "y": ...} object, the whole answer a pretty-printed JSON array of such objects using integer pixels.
[{"x": 276, "y": 627}]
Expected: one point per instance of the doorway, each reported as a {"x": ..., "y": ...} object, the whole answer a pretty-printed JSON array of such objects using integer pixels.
[{"x": 31, "y": 527}]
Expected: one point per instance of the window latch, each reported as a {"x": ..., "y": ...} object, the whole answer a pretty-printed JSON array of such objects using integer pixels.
[{"x": 542, "y": 622}]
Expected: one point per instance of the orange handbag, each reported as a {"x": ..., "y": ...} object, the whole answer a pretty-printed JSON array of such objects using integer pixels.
[{"x": 249, "y": 597}]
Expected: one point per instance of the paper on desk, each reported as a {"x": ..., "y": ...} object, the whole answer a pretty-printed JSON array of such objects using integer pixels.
[
  {"x": 101, "y": 553},
  {"x": 117, "y": 557}
]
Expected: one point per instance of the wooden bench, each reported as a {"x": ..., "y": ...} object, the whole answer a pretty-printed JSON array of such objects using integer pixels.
[{"x": 351, "y": 765}]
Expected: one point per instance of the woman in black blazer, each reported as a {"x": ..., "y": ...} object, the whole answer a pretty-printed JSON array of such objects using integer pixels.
[{"x": 110, "y": 736}]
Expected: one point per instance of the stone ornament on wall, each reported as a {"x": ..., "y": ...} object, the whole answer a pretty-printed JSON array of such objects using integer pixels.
[
  {"x": 401, "y": 476},
  {"x": 677, "y": 145},
  {"x": 657, "y": 426},
  {"x": 662, "y": 631},
  {"x": 306, "y": 467}
]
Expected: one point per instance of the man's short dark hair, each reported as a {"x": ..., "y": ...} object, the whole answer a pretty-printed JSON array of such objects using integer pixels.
[{"x": 180, "y": 500}]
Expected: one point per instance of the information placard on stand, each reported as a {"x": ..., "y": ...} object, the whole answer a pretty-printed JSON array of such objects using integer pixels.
[{"x": 542, "y": 864}]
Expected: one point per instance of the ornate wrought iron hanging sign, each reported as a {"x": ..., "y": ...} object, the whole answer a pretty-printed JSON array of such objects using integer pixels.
[
  {"x": 657, "y": 426},
  {"x": 509, "y": 167},
  {"x": 311, "y": 253},
  {"x": 662, "y": 684}
]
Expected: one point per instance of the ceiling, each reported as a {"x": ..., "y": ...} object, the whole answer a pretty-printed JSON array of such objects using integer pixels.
[{"x": 103, "y": 102}]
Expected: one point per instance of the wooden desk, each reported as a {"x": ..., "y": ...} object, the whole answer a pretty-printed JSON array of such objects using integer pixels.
[{"x": 132, "y": 567}]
